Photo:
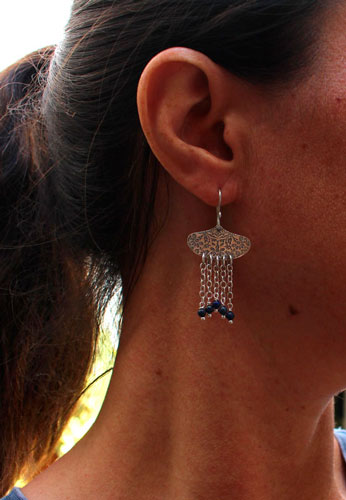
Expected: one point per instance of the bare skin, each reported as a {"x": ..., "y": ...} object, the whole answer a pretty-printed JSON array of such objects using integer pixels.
[{"x": 205, "y": 410}]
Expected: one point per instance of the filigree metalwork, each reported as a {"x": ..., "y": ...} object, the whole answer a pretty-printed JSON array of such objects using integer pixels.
[{"x": 218, "y": 241}]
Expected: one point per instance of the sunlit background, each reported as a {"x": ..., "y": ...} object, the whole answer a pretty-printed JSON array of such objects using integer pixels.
[{"x": 25, "y": 26}]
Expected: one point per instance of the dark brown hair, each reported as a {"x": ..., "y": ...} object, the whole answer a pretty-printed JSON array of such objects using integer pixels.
[{"x": 78, "y": 184}]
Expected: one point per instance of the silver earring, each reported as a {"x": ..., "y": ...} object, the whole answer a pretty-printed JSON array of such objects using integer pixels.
[{"x": 218, "y": 248}]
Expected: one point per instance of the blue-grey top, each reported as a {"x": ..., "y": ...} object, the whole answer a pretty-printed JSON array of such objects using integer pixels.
[{"x": 15, "y": 494}]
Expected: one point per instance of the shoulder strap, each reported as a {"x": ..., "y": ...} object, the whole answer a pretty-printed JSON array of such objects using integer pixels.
[
  {"x": 340, "y": 435},
  {"x": 15, "y": 494}
]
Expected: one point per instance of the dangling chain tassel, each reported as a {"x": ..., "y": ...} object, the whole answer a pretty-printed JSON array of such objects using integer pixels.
[
  {"x": 216, "y": 290},
  {"x": 218, "y": 248}
]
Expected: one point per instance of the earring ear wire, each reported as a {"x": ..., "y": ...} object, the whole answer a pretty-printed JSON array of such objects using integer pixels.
[{"x": 218, "y": 248}]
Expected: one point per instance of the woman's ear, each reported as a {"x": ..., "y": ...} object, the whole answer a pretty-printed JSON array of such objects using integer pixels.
[{"x": 190, "y": 114}]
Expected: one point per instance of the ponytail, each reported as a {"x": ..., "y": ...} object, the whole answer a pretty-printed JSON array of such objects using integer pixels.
[{"x": 47, "y": 319}]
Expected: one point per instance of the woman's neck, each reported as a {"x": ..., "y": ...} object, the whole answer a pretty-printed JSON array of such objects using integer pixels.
[
  {"x": 201, "y": 410},
  {"x": 194, "y": 416}
]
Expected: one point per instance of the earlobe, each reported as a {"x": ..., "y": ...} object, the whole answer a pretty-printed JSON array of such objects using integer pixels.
[{"x": 183, "y": 102}]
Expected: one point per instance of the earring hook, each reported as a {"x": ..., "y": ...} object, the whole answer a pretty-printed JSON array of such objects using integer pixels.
[{"x": 218, "y": 210}]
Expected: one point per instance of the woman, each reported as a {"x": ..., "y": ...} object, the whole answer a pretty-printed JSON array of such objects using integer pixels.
[{"x": 115, "y": 147}]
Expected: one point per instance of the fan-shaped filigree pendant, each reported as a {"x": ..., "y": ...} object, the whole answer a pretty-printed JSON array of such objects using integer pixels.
[{"x": 217, "y": 247}]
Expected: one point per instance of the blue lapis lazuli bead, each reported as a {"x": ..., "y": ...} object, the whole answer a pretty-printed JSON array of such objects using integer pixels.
[
  {"x": 223, "y": 310},
  {"x": 216, "y": 304},
  {"x": 230, "y": 315},
  {"x": 202, "y": 313},
  {"x": 210, "y": 309}
]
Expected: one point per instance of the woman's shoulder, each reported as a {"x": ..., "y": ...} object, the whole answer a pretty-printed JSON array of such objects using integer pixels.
[
  {"x": 15, "y": 494},
  {"x": 339, "y": 433}
]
